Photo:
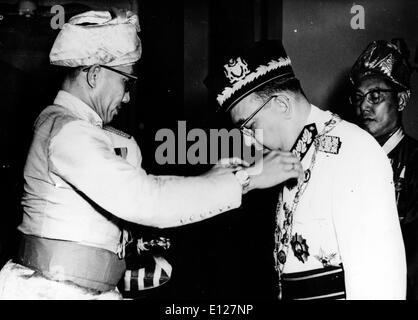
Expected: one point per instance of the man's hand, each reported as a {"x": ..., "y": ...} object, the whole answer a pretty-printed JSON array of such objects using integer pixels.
[
  {"x": 228, "y": 165},
  {"x": 274, "y": 168}
]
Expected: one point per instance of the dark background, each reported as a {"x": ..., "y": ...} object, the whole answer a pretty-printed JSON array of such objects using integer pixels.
[{"x": 230, "y": 255}]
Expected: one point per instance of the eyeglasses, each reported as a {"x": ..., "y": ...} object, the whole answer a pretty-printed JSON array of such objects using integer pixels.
[
  {"x": 248, "y": 132},
  {"x": 129, "y": 82},
  {"x": 374, "y": 96}
]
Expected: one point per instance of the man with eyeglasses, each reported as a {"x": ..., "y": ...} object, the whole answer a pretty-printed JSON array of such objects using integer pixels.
[
  {"x": 337, "y": 234},
  {"x": 381, "y": 91},
  {"x": 81, "y": 187}
]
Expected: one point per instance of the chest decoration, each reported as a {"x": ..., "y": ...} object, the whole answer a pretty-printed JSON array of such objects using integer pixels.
[
  {"x": 286, "y": 224},
  {"x": 330, "y": 144},
  {"x": 325, "y": 259},
  {"x": 285, "y": 210},
  {"x": 300, "y": 248}
]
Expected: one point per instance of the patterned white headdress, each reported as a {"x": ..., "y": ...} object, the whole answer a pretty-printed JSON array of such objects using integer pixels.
[{"x": 95, "y": 37}]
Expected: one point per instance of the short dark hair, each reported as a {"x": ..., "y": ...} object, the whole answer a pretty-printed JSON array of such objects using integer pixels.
[{"x": 275, "y": 86}]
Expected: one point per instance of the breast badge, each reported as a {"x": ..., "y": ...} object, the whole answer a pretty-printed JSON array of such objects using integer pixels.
[
  {"x": 330, "y": 144},
  {"x": 300, "y": 248}
]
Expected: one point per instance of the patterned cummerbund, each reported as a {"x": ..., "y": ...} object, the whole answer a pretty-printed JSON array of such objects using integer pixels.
[{"x": 324, "y": 283}]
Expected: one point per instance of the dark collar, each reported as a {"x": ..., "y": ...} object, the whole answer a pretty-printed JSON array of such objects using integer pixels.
[{"x": 304, "y": 141}]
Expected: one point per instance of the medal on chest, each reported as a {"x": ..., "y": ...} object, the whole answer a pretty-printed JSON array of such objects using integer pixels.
[{"x": 285, "y": 210}]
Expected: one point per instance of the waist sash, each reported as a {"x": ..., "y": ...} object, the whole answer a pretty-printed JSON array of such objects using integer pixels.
[
  {"x": 89, "y": 267},
  {"x": 324, "y": 283}
]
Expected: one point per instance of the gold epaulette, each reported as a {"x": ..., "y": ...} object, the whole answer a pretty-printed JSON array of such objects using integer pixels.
[{"x": 116, "y": 131}]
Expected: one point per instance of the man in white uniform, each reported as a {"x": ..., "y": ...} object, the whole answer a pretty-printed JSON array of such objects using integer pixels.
[
  {"x": 78, "y": 187},
  {"x": 337, "y": 234},
  {"x": 145, "y": 266}
]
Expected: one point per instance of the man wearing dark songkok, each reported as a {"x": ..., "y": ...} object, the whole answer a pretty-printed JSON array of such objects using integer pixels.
[
  {"x": 80, "y": 185},
  {"x": 381, "y": 80},
  {"x": 327, "y": 245}
]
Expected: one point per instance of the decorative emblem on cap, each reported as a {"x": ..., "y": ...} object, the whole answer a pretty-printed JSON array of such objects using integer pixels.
[
  {"x": 248, "y": 77},
  {"x": 236, "y": 69}
]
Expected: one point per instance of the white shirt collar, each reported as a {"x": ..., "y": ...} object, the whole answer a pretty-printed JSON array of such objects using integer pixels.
[
  {"x": 393, "y": 141},
  {"x": 78, "y": 107},
  {"x": 319, "y": 117}
]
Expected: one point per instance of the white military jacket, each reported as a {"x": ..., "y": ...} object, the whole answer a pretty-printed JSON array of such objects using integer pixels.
[
  {"x": 77, "y": 187},
  {"x": 347, "y": 213}
]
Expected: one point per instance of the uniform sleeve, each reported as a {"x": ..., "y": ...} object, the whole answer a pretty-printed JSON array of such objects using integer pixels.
[
  {"x": 83, "y": 156},
  {"x": 367, "y": 227},
  {"x": 135, "y": 154}
]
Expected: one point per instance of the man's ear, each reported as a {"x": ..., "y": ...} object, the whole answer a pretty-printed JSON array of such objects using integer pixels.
[
  {"x": 283, "y": 104},
  {"x": 93, "y": 75},
  {"x": 403, "y": 99}
]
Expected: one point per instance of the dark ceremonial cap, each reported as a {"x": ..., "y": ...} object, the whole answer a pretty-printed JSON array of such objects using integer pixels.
[
  {"x": 383, "y": 58},
  {"x": 247, "y": 70}
]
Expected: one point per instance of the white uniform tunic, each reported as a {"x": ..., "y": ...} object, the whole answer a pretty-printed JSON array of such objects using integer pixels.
[
  {"x": 347, "y": 214},
  {"x": 79, "y": 182},
  {"x": 76, "y": 187}
]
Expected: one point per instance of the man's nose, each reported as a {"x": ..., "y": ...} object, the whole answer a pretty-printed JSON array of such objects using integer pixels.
[
  {"x": 365, "y": 105},
  {"x": 126, "y": 97}
]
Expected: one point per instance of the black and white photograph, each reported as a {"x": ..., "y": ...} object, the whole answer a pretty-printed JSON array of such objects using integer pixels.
[{"x": 208, "y": 156}]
